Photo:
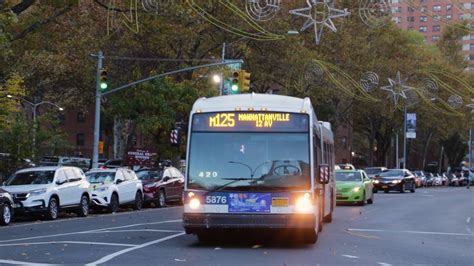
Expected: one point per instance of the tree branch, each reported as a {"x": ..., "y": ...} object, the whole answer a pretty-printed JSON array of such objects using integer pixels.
[
  {"x": 40, "y": 23},
  {"x": 108, "y": 8},
  {"x": 24, "y": 5}
]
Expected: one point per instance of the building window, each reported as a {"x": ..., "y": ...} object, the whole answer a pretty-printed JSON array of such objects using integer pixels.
[
  {"x": 423, "y": 18},
  {"x": 436, "y": 27},
  {"x": 397, "y": 9},
  {"x": 81, "y": 117},
  {"x": 437, "y": 8},
  {"x": 471, "y": 46},
  {"x": 397, "y": 20},
  {"x": 423, "y": 29},
  {"x": 449, "y": 17},
  {"x": 80, "y": 139},
  {"x": 411, "y": 19},
  {"x": 437, "y": 17},
  {"x": 410, "y": 9},
  {"x": 424, "y": 9},
  {"x": 449, "y": 7},
  {"x": 435, "y": 38}
]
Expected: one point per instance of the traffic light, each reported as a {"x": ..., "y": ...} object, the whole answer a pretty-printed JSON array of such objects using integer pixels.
[
  {"x": 244, "y": 81},
  {"x": 103, "y": 79},
  {"x": 234, "y": 82}
]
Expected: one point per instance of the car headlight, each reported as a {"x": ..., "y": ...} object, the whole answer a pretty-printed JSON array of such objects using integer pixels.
[
  {"x": 396, "y": 181},
  {"x": 376, "y": 181},
  {"x": 150, "y": 185},
  {"x": 194, "y": 204},
  {"x": 356, "y": 189},
  {"x": 303, "y": 204},
  {"x": 38, "y": 192},
  {"x": 102, "y": 189}
]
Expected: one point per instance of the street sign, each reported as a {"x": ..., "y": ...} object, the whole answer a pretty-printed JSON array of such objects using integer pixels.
[
  {"x": 141, "y": 157},
  {"x": 411, "y": 126}
]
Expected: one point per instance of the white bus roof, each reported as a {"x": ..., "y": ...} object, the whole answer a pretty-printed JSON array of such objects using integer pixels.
[{"x": 256, "y": 101}]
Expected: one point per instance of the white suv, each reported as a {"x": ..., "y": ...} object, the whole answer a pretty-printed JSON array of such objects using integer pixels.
[
  {"x": 111, "y": 188},
  {"x": 49, "y": 189}
]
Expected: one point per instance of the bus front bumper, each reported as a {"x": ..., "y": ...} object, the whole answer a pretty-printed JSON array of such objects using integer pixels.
[{"x": 194, "y": 222}]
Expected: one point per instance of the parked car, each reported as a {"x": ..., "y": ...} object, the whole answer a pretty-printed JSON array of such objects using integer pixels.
[
  {"x": 429, "y": 180},
  {"x": 372, "y": 172},
  {"x": 395, "y": 179},
  {"x": 346, "y": 166},
  {"x": 49, "y": 189},
  {"x": 116, "y": 187},
  {"x": 162, "y": 185},
  {"x": 83, "y": 163},
  {"x": 6, "y": 207},
  {"x": 114, "y": 163},
  {"x": 454, "y": 180},
  {"x": 420, "y": 178},
  {"x": 353, "y": 186}
]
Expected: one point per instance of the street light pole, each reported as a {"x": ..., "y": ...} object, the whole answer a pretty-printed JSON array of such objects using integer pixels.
[
  {"x": 98, "y": 98},
  {"x": 404, "y": 135},
  {"x": 34, "y": 107}
]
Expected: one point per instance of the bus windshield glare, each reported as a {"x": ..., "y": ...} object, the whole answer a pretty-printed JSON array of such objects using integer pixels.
[{"x": 244, "y": 156}]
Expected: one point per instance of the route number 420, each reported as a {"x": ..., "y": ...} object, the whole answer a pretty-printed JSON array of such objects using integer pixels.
[{"x": 216, "y": 200}]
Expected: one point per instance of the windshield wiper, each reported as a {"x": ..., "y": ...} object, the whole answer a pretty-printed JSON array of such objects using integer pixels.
[{"x": 234, "y": 180}]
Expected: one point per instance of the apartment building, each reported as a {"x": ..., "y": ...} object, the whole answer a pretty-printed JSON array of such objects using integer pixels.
[{"x": 430, "y": 17}]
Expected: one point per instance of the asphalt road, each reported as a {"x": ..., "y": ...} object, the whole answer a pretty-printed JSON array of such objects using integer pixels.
[{"x": 430, "y": 227}]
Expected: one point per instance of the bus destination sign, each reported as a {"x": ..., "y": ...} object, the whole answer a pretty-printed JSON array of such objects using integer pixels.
[{"x": 250, "y": 121}]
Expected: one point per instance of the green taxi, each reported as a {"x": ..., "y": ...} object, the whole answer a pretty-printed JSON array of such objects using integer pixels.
[{"x": 353, "y": 186}]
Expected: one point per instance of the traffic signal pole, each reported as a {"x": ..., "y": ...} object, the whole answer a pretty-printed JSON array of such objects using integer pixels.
[{"x": 98, "y": 94}]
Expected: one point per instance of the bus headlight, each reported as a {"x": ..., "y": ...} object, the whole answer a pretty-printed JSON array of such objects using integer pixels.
[
  {"x": 194, "y": 204},
  {"x": 303, "y": 204}
]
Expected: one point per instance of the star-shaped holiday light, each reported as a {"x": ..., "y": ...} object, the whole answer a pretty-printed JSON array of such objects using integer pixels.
[
  {"x": 397, "y": 88},
  {"x": 471, "y": 106},
  {"x": 319, "y": 14}
]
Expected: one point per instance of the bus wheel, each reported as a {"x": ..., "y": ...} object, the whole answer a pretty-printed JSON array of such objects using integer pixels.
[
  {"x": 328, "y": 218},
  {"x": 310, "y": 236}
]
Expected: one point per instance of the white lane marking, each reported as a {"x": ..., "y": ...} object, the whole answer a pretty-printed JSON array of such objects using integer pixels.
[
  {"x": 137, "y": 230},
  {"x": 88, "y": 217},
  {"x": 428, "y": 195},
  {"x": 87, "y": 232},
  {"x": 384, "y": 264},
  {"x": 409, "y": 232},
  {"x": 67, "y": 242},
  {"x": 15, "y": 262},
  {"x": 118, "y": 253},
  {"x": 350, "y": 256},
  {"x": 468, "y": 220}
]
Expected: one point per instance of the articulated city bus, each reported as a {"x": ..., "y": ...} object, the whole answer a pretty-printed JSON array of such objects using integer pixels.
[{"x": 258, "y": 161}]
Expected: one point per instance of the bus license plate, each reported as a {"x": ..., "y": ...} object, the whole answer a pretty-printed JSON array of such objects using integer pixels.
[{"x": 280, "y": 202}]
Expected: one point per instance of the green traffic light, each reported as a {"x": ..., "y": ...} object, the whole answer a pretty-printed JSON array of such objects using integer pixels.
[
  {"x": 103, "y": 85},
  {"x": 235, "y": 88}
]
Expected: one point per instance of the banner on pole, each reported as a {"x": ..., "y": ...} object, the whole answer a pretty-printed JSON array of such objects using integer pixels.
[{"x": 411, "y": 126}]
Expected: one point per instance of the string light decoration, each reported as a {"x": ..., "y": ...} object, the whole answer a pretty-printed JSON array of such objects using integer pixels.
[
  {"x": 129, "y": 19},
  {"x": 369, "y": 81},
  {"x": 156, "y": 7},
  {"x": 262, "y": 11},
  {"x": 375, "y": 13},
  {"x": 397, "y": 89},
  {"x": 261, "y": 34},
  {"x": 319, "y": 14}
]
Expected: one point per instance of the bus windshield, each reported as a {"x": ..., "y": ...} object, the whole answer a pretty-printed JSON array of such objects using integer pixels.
[{"x": 249, "y": 161}]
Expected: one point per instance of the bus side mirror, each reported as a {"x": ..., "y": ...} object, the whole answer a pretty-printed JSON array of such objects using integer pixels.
[{"x": 323, "y": 173}]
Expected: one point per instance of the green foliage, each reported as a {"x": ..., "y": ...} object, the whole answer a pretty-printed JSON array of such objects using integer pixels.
[{"x": 454, "y": 148}]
